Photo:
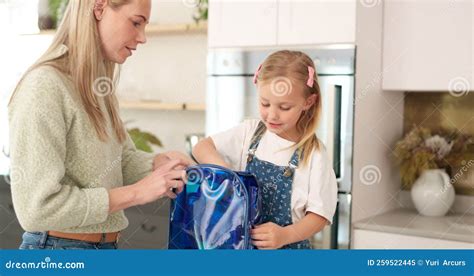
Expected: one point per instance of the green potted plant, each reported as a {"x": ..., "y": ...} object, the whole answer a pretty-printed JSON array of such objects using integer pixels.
[
  {"x": 201, "y": 11},
  {"x": 56, "y": 11},
  {"x": 144, "y": 140}
]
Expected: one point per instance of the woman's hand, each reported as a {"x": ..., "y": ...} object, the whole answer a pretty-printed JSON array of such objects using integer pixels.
[
  {"x": 162, "y": 158},
  {"x": 161, "y": 182},
  {"x": 268, "y": 236},
  {"x": 168, "y": 176}
]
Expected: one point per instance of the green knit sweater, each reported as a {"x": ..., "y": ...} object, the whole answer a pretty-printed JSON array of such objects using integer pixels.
[{"x": 61, "y": 171}]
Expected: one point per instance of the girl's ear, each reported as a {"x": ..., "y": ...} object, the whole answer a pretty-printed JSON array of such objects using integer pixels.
[
  {"x": 310, "y": 101},
  {"x": 99, "y": 7}
]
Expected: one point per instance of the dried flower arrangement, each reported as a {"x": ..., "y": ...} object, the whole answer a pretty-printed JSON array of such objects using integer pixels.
[{"x": 421, "y": 150}]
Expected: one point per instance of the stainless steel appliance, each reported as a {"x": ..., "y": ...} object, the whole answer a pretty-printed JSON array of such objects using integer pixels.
[
  {"x": 192, "y": 140},
  {"x": 232, "y": 97}
]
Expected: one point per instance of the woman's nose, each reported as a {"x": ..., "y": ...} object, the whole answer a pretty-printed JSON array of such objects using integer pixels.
[{"x": 141, "y": 37}]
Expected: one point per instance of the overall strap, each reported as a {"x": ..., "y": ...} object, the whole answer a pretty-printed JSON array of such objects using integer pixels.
[
  {"x": 294, "y": 162},
  {"x": 255, "y": 141},
  {"x": 257, "y": 136},
  {"x": 295, "y": 158}
]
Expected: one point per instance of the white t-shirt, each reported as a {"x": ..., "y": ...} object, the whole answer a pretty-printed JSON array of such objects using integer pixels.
[{"x": 314, "y": 186}]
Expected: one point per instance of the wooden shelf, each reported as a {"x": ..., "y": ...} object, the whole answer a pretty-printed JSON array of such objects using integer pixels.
[
  {"x": 156, "y": 29},
  {"x": 157, "y": 105},
  {"x": 42, "y": 32}
]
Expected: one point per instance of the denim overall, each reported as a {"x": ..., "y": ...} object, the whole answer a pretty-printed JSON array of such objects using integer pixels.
[{"x": 275, "y": 184}]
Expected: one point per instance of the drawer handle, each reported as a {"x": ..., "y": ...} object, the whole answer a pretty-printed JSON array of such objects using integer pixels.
[{"x": 148, "y": 229}]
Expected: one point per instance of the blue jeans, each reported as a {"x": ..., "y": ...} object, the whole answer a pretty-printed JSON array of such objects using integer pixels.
[{"x": 41, "y": 240}]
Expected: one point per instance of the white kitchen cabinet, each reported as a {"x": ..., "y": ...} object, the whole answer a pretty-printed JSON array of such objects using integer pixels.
[
  {"x": 242, "y": 23},
  {"x": 280, "y": 22},
  {"x": 368, "y": 239},
  {"x": 428, "y": 45},
  {"x": 316, "y": 21}
]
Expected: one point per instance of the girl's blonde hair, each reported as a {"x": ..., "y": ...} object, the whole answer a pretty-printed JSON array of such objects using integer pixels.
[
  {"x": 293, "y": 65},
  {"x": 85, "y": 63}
]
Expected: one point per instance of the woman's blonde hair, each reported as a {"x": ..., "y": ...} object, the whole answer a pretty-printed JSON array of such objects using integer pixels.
[
  {"x": 85, "y": 63},
  {"x": 293, "y": 65}
]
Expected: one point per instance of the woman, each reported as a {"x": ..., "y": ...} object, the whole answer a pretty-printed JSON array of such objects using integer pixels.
[{"x": 77, "y": 169}]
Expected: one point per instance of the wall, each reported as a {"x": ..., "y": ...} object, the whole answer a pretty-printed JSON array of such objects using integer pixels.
[
  {"x": 378, "y": 121},
  {"x": 440, "y": 111},
  {"x": 168, "y": 68}
]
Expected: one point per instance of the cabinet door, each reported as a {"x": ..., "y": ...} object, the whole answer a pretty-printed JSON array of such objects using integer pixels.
[
  {"x": 242, "y": 23},
  {"x": 428, "y": 45},
  {"x": 10, "y": 229},
  {"x": 316, "y": 21},
  {"x": 144, "y": 231},
  {"x": 367, "y": 239}
]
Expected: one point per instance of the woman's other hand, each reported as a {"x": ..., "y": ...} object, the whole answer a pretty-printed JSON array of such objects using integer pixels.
[{"x": 163, "y": 158}]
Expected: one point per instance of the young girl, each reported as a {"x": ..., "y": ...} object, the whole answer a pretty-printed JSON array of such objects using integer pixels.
[{"x": 298, "y": 185}]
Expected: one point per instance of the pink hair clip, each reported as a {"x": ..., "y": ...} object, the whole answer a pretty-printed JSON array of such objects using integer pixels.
[
  {"x": 311, "y": 72},
  {"x": 255, "y": 76}
]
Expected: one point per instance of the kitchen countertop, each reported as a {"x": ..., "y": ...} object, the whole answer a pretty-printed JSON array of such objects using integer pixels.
[{"x": 456, "y": 227}]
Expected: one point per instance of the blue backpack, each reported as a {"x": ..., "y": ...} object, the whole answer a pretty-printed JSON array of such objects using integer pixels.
[{"x": 216, "y": 210}]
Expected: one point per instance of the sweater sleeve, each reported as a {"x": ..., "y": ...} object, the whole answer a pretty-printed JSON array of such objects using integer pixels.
[
  {"x": 39, "y": 115},
  {"x": 136, "y": 164}
]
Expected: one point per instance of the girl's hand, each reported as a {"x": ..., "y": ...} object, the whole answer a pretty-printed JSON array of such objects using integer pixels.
[
  {"x": 268, "y": 236},
  {"x": 161, "y": 182}
]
